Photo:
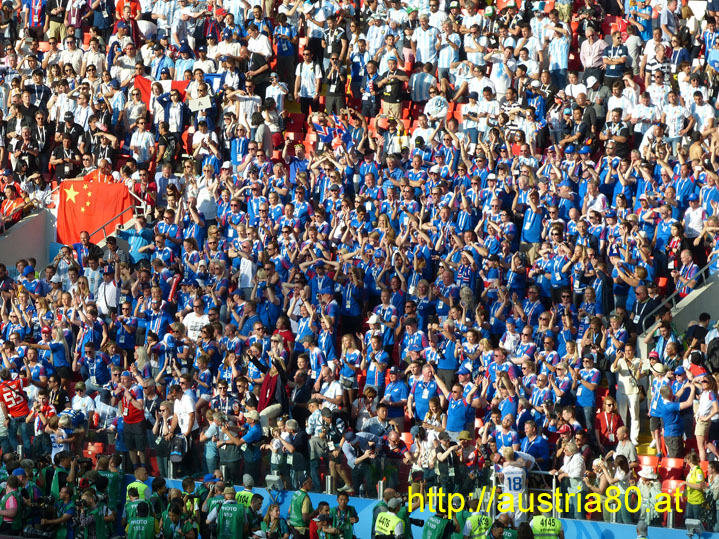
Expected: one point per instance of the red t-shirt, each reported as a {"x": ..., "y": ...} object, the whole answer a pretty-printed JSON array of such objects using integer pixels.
[
  {"x": 608, "y": 424},
  {"x": 130, "y": 413},
  {"x": 11, "y": 392}
]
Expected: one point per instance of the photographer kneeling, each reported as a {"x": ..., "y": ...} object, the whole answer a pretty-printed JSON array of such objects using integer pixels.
[{"x": 65, "y": 508}]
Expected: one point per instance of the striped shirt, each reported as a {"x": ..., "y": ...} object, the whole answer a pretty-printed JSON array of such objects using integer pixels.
[
  {"x": 558, "y": 52},
  {"x": 375, "y": 38},
  {"x": 419, "y": 85},
  {"x": 448, "y": 54},
  {"x": 425, "y": 40}
]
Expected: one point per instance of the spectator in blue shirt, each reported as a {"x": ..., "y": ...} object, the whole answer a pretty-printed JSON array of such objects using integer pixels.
[{"x": 670, "y": 412}]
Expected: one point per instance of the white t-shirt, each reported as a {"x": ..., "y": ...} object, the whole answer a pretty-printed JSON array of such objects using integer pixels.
[
  {"x": 331, "y": 390},
  {"x": 185, "y": 406}
]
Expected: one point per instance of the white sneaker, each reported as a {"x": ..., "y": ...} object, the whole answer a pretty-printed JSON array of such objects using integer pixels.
[
  {"x": 345, "y": 488},
  {"x": 653, "y": 445}
]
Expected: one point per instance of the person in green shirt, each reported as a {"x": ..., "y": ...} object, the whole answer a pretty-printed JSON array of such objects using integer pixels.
[
  {"x": 114, "y": 480},
  {"x": 300, "y": 512},
  {"x": 173, "y": 526},
  {"x": 230, "y": 517},
  {"x": 143, "y": 525},
  {"x": 11, "y": 507},
  {"x": 273, "y": 523},
  {"x": 65, "y": 507},
  {"x": 344, "y": 516},
  {"x": 438, "y": 526}
]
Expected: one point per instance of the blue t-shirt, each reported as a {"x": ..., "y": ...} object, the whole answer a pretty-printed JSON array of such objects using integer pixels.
[{"x": 671, "y": 417}]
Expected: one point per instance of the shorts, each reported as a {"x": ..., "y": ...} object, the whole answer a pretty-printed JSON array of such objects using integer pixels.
[
  {"x": 348, "y": 383},
  {"x": 64, "y": 372},
  {"x": 655, "y": 423},
  {"x": 701, "y": 428},
  {"x": 134, "y": 436},
  {"x": 712, "y": 5}
]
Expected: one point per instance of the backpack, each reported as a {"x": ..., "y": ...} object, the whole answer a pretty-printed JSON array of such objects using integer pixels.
[
  {"x": 178, "y": 448},
  {"x": 712, "y": 360},
  {"x": 685, "y": 37}
]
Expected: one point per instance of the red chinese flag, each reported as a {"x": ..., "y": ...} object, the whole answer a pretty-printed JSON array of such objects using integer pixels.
[
  {"x": 88, "y": 206},
  {"x": 145, "y": 86}
]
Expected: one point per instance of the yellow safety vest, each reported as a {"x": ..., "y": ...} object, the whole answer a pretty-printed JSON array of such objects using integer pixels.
[
  {"x": 546, "y": 527},
  {"x": 387, "y": 523},
  {"x": 480, "y": 523}
]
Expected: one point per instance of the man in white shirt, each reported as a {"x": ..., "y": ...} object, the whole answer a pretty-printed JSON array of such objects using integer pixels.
[
  {"x": 184, "y": 412},
  {"x": 194, "y": 321},
  {"x": 106, "y": 297},
  {"x": 329, "y": 390},
  {"x": 694, "y": 217},
  {"x": 258, "y": 42}
]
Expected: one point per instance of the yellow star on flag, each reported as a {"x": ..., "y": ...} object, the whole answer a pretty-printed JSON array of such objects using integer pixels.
[
  {"x": 82, "y": 210},
  {"x": 87, "y": 203},
  {"x": 85, "y": 187},
  {"x": 89, "y": 194},
  {"x": 71, "y": 194}
]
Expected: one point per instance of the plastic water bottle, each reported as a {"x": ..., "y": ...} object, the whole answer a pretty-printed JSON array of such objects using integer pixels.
[{"x": 361, "y": 491}]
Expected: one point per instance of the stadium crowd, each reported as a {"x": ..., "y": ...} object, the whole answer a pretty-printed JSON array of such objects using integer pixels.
[{"x": 386, "y": 243}]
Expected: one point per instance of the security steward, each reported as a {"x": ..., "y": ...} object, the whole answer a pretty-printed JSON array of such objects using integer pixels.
[
  {"x": 388, "y": 525},
  {"x": 547, "y": 527}
]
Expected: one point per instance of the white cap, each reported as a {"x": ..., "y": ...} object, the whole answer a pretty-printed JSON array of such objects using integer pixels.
[
  {"x": 535, "y": 84},
  {"x": 434, "y": 168},
  {"x": 591, "y": 81},
  {"x": 374, "y": 319},
  {"x": 226, "y": 164}
]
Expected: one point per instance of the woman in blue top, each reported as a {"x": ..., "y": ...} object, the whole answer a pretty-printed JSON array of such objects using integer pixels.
[
  {"x": 375, "y": 363},
  {"x": 59, "y": 352},
  {"x": 349, "y": 364}
]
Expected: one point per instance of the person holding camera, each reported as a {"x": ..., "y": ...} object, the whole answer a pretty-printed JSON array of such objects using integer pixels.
[
  {"x": 65, "y": 509},
  {"x": 11, "y": 507},
  {"x": 92, "y": 516}
]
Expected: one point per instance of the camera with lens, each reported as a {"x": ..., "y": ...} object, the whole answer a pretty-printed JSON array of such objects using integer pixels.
[{"x": 82, "y": 503}]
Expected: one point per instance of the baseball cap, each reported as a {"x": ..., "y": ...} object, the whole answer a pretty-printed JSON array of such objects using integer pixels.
[
  {"x": 226, "y": 164},
  {"x": 395, "y": 370},
  {"x": 570, "y": 149},
  {"x": 165, "y": 71},
  {"x": 473, "y": 95},
  {"x": 585, "y": 150},
  {"x": 27, "y": 271},
  {"x": 69, "y": 116},
  {"x": 679, "y": 371},
  {"x": 564, "y": 429},
  {"x": 591, "y": 81},
  {"x": 464, "y": 371},
  {"x": 226, "y": 33},
  {"x": 654, "y": 353},
  {"x": 209, "y": 478},
  {"x": 535, "y": 84},
  {"x": 693, "y": 197}
]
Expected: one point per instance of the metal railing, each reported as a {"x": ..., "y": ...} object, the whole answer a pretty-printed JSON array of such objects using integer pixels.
[
  {"x": 701, "y": 279},
  {"x": 102, "y": 227}
]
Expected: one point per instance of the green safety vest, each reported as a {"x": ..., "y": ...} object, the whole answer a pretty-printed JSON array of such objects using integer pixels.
[
  {"x": 434, "y": 527},
  {"x": 171, "y": 531},
  {"x": 113, "y": 487},
  {"x": 230, "y": 521},
  {"x": 55, "y": 485},
  {"x": 480, "y": 523},
  {"x": 61, "y": 509},
  {"x": 17, "y": 519},
  {"x": 131, "y": 509},
  {"x": 141, "y": 528},
  {"x": 546, "y": 527},
  {"x": 461, "y": 518},
  {"x": 141, "y": 488},
  {"x": 295, "y": 515},
  {"x": 100, "y": 526},
  {"x": 212, "y": 502},
  {"x": 509, "y": 533},
  {"x": 243, "y": 497},
  {"x": 387, "y": 523},
  {"x": 342, "y": 521}
]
